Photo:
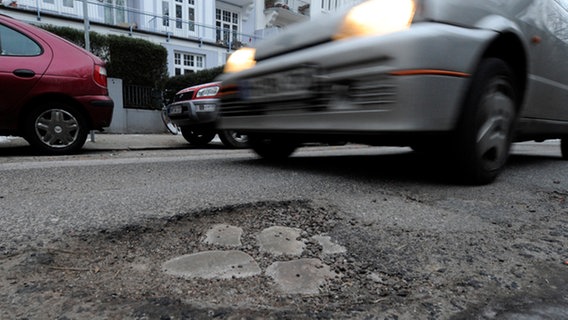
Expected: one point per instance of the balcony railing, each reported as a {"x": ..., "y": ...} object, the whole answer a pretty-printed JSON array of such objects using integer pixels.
[
  {"x": 296, "y": 6},
  {"x": 132, "y": 19}
]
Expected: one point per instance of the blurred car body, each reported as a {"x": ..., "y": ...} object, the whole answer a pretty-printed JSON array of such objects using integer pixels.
[
  {"x": 462, "y": 78},
  {"x": 195, "y": 111},
  {"x": 53, "y": 92}
]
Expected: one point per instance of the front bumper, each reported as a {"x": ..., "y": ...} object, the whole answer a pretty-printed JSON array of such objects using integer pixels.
[
  {"x": 359, "y": 85},
  {"x": 194, "y": 112}
]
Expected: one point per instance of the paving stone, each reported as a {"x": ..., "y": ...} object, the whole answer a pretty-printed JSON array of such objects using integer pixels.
[
  {"x": 224, "y": 235},
  {"x": 328, "y": 246},
  {"x": 213, "y": 265},
  {"x": 281, "y": 240},
  {"x": 303, "y": 276}
]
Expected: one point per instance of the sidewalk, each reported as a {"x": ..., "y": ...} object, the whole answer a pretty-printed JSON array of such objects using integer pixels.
[{"x": 107, "y": 141}]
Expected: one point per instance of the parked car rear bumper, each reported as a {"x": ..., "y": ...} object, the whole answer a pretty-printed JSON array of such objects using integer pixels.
[{"x": 99, "y": 109}]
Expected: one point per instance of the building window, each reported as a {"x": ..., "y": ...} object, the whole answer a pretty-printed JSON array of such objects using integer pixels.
[
  {"x": 184, "y": 11},
  {"x": 166, "y": 13},
  {"x": 188, "y": 63},
  {"x": 330, "y": 5},
  {"x": 227, "y": 24},
  {"x": 68, "y": 3},
  {"x": 115, "y": 11}
]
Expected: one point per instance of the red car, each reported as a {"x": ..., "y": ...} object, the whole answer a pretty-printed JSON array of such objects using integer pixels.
[
  {"x": 52, "y": 91},
  {"x": 195, "y": 111}
]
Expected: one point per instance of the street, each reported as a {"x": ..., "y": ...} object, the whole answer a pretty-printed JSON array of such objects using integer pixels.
[{"x": 417, "y": 246}]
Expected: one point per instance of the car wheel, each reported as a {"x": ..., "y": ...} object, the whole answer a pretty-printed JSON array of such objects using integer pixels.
[
  {"x": 486, "y": 128},
  {"x": 56, "y": 128},
  {"x": 564, "y": 148},
  {"x": 233, "y": 139},
  {"x": 197, "y": 137},
  {"x": 272, "y": 148}
]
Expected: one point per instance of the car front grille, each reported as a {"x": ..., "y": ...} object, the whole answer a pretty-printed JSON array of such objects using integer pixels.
[
  {"x": 367, "y": 94},
  {"x": 373, "y": 93},
  {"x": 184, "y": 96}
]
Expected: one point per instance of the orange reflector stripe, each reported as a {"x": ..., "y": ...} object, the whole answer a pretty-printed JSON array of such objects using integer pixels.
[{"x": 430, "y": 72}]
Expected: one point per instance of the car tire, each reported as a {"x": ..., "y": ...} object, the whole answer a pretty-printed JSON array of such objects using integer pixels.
[
  {"x": 564, "y": 148},
  {"x": 484, "y": 134},
  {"x": 197, "y": 137},
  {"x": 270, "y": 148},
  {"x": 233, "y": 139},
  {"x": 56, "y": 128}
]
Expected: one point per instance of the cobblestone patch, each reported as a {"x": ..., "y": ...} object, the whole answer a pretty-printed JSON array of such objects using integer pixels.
[
  {"x": 297, "y": 276},
  {"x": 303, "y": 276},
  {"x": 224, "y": 235},
  {"x": 213, "y": 265},
  {"x": 280, "y": 240}
]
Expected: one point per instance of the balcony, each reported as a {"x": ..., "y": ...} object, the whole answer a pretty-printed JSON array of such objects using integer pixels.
[{"x": 281, "y": 13}]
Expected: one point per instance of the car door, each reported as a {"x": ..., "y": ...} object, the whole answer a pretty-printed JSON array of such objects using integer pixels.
[
  {"x": 23, "y": 61},
  {"x": 547, "y": 25}
]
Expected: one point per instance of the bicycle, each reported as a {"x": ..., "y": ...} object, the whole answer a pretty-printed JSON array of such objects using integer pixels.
[{"x": 161, "y": 96}]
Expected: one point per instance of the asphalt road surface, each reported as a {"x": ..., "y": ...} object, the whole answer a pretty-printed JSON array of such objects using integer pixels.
[{"x": 417, "y": 245}]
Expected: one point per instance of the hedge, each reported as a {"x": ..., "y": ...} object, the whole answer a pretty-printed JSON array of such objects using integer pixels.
[{"x": 137, "y": 61}]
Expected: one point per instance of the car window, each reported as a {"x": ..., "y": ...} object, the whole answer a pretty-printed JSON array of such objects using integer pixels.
[{"x": 14, "y": 43}]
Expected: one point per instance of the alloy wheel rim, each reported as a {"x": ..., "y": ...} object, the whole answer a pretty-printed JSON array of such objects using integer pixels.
[
  {"x": 240, "y": 138},
  {"x": 57, "y": 128},
  {"x": 497, "y": 116}
]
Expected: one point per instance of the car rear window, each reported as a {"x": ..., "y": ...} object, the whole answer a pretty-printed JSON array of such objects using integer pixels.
[{"x": 14, "y": 43}]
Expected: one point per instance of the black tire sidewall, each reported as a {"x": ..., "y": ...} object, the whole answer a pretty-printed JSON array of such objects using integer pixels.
[
  {"x": 470, "y": 166},
  {"x": 270, "y": 148},
  {"x": 228, "y": 140},
  {"x": 199, "y": 137},
  {"x": 32, "y": 137},
  {"x": 564, "y": 148}
]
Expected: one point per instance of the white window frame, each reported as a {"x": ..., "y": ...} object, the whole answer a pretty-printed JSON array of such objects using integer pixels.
[
  {"x": 182, "y": 14},
  {"x": 228, "y": 25},
  {"x": 186, "y": 62},
  {"x": 60, "y": 6},
  {"x": 115, "y": 12}
]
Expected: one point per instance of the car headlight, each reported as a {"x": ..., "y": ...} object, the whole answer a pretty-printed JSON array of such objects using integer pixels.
[
  {"x": 240, "y": 60},
  {"x": 207, "y": 92},
  {"x": 377, "y": 17}
]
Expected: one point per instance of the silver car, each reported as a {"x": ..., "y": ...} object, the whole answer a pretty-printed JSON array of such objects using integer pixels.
[{"x": 466, "y": 78}]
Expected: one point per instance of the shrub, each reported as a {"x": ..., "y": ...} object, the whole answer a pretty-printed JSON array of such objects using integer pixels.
[{"x": 137, "y": 61}]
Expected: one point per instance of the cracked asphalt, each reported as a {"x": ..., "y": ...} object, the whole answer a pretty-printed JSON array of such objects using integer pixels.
[{"x": 385, "y": 233}]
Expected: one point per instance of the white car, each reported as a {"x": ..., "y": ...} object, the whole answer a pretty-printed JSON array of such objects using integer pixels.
[{"x": 466, "y": 78}]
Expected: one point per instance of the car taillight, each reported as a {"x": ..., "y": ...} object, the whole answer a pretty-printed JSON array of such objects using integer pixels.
[{"x": 100, "y": 76}]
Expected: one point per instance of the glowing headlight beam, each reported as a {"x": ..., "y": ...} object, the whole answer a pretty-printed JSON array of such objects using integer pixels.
[
  {"x": 377, "y": 17},
  {"x": 240, "y": 60}
]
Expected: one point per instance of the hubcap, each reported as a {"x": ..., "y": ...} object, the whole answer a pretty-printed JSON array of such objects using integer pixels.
[
  {"x": 240, "y": 138},
  {"x": 57, "y": 128},
  {"x": 496, "y": 117}
]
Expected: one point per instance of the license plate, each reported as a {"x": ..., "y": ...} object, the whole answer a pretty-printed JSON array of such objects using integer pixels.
[
  {"x": 289, "y": 82},
  {"x": 206, "y": 107},
  {"x": 175, "y": 110}
]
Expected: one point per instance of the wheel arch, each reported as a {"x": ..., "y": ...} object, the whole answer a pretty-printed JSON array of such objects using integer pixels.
[{"x": 508, "y": 47}]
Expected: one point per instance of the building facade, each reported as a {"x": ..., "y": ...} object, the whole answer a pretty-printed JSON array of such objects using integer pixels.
[{"x": 198, "y": 34}]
